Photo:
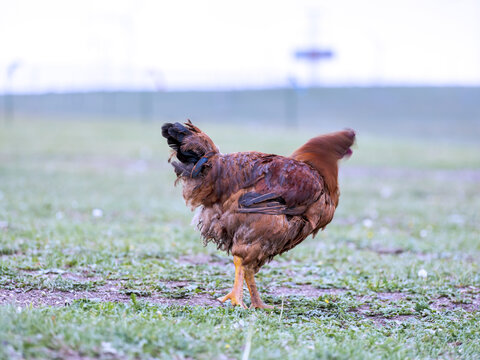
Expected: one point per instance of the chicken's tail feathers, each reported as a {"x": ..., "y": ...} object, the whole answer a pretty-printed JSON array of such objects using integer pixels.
[
  {"x": 347, "y": 140},
  {"x": 323, "y": 153},
  {"x": 191, "y": 146},
  {"x": 336, "y": 145}
]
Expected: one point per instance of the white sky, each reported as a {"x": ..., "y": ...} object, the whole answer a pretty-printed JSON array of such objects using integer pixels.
[{"x": 65, "y": 45}]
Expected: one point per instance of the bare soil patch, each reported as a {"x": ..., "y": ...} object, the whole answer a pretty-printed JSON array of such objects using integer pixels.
[
  {"x": 37, "y": 298},
  {"x": 303, "y": 290},
  {"x": 113, "y": 292},
  {"x": 53, "y": 273},
  {"x": 388, "y": 251},
  {"x": 398, "y": 319},
  {"x": 389, "y": 296},
  {"x": 469, "y": 301}
]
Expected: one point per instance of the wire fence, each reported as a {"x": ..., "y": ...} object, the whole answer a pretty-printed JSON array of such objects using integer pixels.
[{"x": 326, "y": 107}]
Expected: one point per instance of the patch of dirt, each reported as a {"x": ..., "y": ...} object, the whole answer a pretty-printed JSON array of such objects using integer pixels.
[
  {"x": 382, "y": 296},
  {"x": 470, "y": 302},
  {"x": 470, "y": 289},
  {"x": 391, "y": 296},
  {"x": 398, "y": 319},
  {"x": 303, "y": 290},
  {"x": 195, "y": 300},
  {"x": 53, "y": 273},
  {"x": 36, "y": 298},
  {"x": 362, "y": 309},
  {"x": 366, "y": 311},
  {"x": 114, "y": 292},
  {"x": 388, "y": 251}
]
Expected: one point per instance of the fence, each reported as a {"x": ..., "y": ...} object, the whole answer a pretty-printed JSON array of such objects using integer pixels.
[{"x": 334, "y": 106}]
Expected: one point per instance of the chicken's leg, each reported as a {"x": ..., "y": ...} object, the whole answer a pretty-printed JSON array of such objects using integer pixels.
[
  {"x": 254, "y": 295},
  {"x": 236, "y": 295}
]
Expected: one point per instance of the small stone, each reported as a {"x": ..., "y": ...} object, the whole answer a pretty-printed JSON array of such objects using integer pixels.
[
  {"x": 97, "y": 213},
  {"x": 108, "y": 348},
  {"x": 422, "y": 273},
  {"x": 386, "y": 192},
  {"x": 368, "y": 223}
]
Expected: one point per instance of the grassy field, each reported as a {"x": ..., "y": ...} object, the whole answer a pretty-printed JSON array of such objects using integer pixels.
[{"x": 98, "y": 258}]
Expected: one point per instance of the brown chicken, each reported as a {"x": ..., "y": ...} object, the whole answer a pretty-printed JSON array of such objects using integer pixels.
[{"x": 255, "y": 205}]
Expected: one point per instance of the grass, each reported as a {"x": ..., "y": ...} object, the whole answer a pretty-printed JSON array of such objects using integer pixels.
[{"x": 139, "y": 284}]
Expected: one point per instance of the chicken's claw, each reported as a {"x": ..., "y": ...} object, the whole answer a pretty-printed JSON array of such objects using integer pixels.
[
  {"x": 261, "y": 306},
  {"x": 257, "y": 303},
  {"x": 236, "y": 295},
  {"x": 234, "y": 299}
]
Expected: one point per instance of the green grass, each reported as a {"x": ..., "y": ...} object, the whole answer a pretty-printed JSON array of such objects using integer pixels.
[{"x": 407, "y": 204}]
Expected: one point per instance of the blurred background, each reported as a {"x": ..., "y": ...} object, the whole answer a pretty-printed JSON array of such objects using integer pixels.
[
  {"x": 382, "y": 66},
  {"x": 88, "y": 207}
]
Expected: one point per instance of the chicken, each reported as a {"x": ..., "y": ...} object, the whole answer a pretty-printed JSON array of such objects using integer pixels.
[{"x": 255, "y": 205}]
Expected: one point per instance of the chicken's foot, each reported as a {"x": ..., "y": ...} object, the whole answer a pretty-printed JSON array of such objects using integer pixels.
[
  {"x": 254, "y": 295},
  {"x": 236, "y": 295}
]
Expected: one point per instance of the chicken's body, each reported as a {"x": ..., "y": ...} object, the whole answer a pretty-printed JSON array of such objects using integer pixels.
[
  {"x": 266, "y": 208},
  {"x": 255, "y": 205}
]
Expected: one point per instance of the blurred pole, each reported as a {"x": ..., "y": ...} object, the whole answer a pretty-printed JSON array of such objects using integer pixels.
[
  {"x": 9, "y": 105},
  {"x": 313, "y": 20},
  {"x": 148, "y": 97},
  {"x": 291, "y": 103},
  {"x": 146, "y": 105},
  {"x": 313, "y": 54}
]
